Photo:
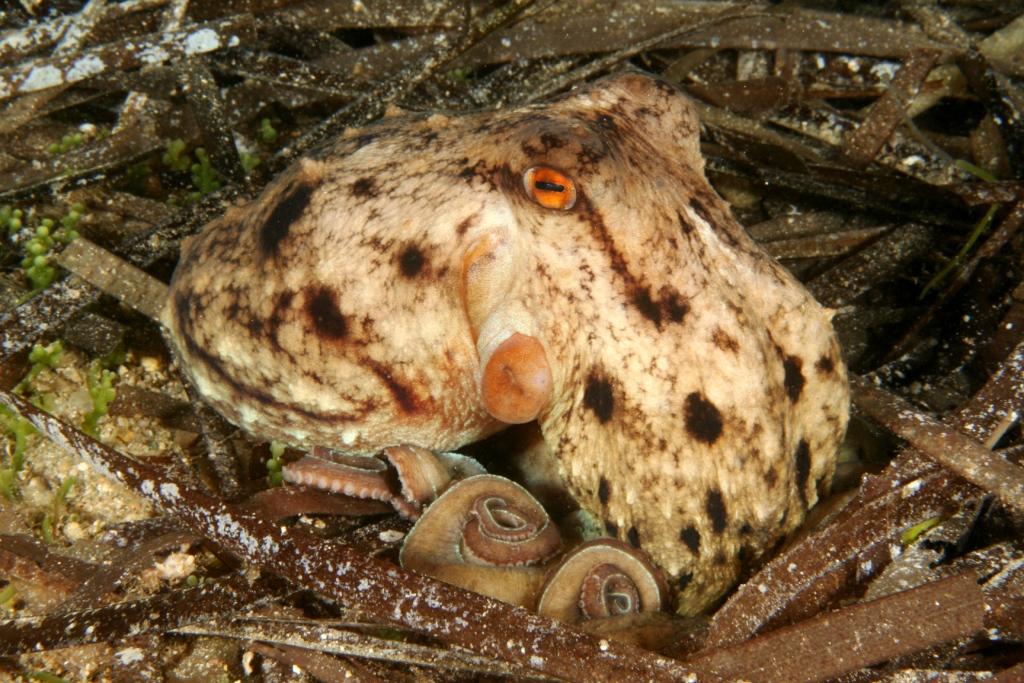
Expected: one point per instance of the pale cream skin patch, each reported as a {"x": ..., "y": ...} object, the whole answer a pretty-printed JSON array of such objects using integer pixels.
[{"x": 430, "y": 279}]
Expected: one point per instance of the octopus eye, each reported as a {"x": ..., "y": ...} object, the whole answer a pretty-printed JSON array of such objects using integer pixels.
[{"x": 549, "y": 188}]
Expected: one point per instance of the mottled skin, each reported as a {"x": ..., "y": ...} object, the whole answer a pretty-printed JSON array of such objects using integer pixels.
[{"x": 698, "y": 393}]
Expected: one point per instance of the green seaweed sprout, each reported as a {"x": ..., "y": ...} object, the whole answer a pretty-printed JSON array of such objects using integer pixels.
[
  {"x": 18, "y": 428},
  {"x": 250, "y": 160},
  {"x": 11, "y": 218},
  {"x": 41, "y": 358},
  {"x": 52, "y": 516},
  {"x": 7, "y": 595},
  {"x": 205, "y": 177},
  {"x": 274, "y": 464},
  {"x": 77, "y": 139},
  {"x": 115, "y": 358},
  {"x": 979, "y": 229},
  {"x": 136, "y": 176},
  {"x": 267, "y": 131},
  {"x": 46, "y": 677},
  {"x": 194, "y": 581},
  {"x": 265, "y": 136},
  {"x": 36, "y": 263},
  {"x": 99, "y": 382},
  {"x": 67, "y": 143},
  {"x": 175, "y": 156},
  {"x": 460, "y": 74},
  {"x": 70, "y": 220},
  {"x": 918, "y": 530}
]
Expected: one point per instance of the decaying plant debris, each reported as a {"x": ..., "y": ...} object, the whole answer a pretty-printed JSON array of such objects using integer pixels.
[{"x": 841, "y": 140}]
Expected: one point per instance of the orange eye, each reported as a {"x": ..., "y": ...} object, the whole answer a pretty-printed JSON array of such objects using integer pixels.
[{"x": 549, "y": 188}]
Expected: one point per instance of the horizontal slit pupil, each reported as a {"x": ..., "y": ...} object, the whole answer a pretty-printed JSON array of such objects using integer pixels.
[{"x": 548, "y": 186}]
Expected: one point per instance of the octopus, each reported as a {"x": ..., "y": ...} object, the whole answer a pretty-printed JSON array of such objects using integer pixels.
[{"x": 429, "y": 280}]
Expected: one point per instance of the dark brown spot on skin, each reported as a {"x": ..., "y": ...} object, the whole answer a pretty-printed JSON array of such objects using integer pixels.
[
  {"x": 633, "y": 536},
  {"x": 647, "y": 307},
  {"x": 597, "y": 397},
  {"x": 802, "y": 469},
  {"x": 183, "y": 309},
  {"x": 714, "y": 505},
  {"x": 794, "y": 379},
  {"x": 723, "y": 341},
  {"x": 365, "y": 139},
  {"x": 701, "y": 210},
  {"x": 703, "y": 420},
  {"x": 551, "y": 141},
  {"x": 411, "y": 261},
  {"x": 685, "y": 225},
  {"x": 281, "y": 304},
  {"x": 531, "y": 150},
  {"x": 771, "y": 477},
  {"x": 284, "y": 300},
  {"x": 591, "y": 154},
  {"x": 746, "y": 528},
  {"x": 823, "y": 485},
  {"x": 602, "y": 491},
  {"x": 504, "y": 179},
  {"x": 635, "y": 290},
  {"x": 255, "y": 327},
  {"x": 691, "y": 537},
  {"x": 365, "y": 187},
  {"x": 825, "y": 365},
  {"x": 403, "y": 395},
  {"x": 777, "y": 545},
  {"x": 676, "y": 307},
  {"x": 289, "y": 208},
  {"x": 744, "y": 555},
  {"x": 322, "y": 309},
  {"x": 684, "y": 580},
  {"x": 611, "y": 528},
  {"x": 720, "y": 558},
  {"x": 234, "y": 310},
  {"x": 477, "y": 170},
  {"x": 465, "y": 225}
]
